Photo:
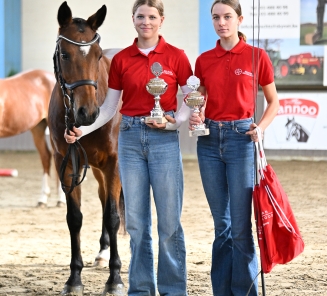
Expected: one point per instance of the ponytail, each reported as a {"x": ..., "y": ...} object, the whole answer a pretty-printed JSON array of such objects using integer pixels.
[{"x": 241, "y": 35}]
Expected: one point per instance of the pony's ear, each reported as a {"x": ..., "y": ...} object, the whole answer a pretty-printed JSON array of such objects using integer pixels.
[
  {"x": 96, "y": 20},
  {"x": 64, "y": 15}
]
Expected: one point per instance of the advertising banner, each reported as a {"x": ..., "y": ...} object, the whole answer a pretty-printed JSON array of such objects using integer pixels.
[
  {"x": 278, "y": 19},
  {"x": 294, "y": 34},
  {"x": 301, "y": 122}
]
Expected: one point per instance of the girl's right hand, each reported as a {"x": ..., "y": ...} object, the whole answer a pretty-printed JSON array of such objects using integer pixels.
[
  {"x": 71, "y": 136},
  {"x": 196, "y": 119}
]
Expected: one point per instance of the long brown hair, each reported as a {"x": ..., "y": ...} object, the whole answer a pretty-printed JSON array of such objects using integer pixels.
[
  {"x": 235, "y": 4},
  {"x": 151, "y": 3}
]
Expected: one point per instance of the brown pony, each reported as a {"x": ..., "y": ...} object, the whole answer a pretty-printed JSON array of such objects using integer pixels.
[
  {"x": 24, "y": 103},
  {"x": 82, "y": 83}
]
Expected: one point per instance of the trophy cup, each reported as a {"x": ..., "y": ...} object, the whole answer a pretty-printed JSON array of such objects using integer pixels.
[
  {"x": 195, "y": 100},
  {"x": 156, "y": 86}
]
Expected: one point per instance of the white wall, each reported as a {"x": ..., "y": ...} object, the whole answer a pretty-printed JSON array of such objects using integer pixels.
[
  {"x": 39, "y": 33},
  {"x": 40, "y": 27}
]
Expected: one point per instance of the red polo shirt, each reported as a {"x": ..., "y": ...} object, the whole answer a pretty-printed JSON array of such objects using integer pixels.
[
  {"x": 228, "y": 78},
  {"x": 130, "y": 71}
]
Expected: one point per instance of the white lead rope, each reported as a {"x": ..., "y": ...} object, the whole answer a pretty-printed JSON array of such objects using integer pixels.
[{"x": 261, "y": 167}]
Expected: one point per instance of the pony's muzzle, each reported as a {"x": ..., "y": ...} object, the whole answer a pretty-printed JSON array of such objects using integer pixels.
[{"x": 84, "y": 117}]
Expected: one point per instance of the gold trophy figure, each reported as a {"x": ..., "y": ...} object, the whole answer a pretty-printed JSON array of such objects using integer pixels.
[
  {"x": 195, "y": 100},
  {"x": 156, "y": 86}
]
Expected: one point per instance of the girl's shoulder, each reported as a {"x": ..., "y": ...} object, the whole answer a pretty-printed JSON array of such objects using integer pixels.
[
  {"x": 207, "y": 54},
  {"x": 174, "y": 50},
  {"x": 253, "y": 48}
]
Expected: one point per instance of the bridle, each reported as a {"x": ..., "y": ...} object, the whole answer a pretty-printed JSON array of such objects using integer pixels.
[
  {"x": 74, "y": 148},
  {"x": 58, "y": 74}
]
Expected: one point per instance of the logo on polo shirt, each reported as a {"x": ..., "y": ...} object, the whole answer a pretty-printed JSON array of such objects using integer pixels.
[
  {"x": 167, "y": 72},
  {"x": 240, "y": 72}
]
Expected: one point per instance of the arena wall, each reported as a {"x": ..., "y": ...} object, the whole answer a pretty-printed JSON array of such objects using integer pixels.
[{"x": 40, "y": 26}]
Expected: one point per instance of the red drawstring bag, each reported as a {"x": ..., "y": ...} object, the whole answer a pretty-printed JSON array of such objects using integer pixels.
[{"x": 278, "y": 234}]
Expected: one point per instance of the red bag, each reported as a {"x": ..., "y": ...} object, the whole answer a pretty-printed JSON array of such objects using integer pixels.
[{"x": 278, "y": 234}]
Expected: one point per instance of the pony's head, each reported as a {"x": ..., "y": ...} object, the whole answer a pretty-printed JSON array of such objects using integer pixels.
[{"x": 77, "y": 62}]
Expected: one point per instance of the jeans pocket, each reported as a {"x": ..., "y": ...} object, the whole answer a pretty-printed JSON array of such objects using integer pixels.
[
  {"x": 124, "y": 125},
  {"x": 241, "y": 129}
]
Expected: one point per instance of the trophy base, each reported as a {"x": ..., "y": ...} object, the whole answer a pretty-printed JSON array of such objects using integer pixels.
[
  {"x": 199, "y": 132},
  {"x": 157, "y": 119}
]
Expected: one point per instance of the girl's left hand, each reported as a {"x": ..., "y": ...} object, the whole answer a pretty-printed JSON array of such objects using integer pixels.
[
  {"x": 253, "y": 133},
  {"x": 154, "y": 124}
]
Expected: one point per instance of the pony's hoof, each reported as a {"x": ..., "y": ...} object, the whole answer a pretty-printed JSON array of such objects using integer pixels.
[
  {"x": 102, "y": 259},
  {"x": 101, "y": 263},
  {"x": 73, "y": 291},
  {"x": 114, "y": 289},
  {"x": 41, "y": 205},
  {"x": 60, "y": 204}
]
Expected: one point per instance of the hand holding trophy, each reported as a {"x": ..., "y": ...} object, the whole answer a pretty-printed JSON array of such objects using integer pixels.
[
  {"x": 195, "y": 100},
  {"x": 156, "y": 86}
]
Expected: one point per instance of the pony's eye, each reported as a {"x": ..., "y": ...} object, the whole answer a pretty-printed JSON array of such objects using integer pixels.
[
  {"x": 64, "y": 56},
  {"x": 100, "y": 57}
]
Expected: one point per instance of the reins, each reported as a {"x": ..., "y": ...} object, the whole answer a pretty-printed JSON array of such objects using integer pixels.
[
  {"x": 75, "y": 149},
  {"x": 255, "y": 93}
]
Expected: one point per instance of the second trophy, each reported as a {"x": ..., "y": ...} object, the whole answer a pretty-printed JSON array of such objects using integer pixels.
[
  {"x": 156, "y": 86},
  {"x": 195, "y": 100}
]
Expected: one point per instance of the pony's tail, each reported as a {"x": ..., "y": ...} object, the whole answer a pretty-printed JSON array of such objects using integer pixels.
[{"x": 122, "y": 226}]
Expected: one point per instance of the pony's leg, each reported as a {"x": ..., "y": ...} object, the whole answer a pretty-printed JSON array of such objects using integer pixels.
[
  {"x": 38, "y": 133},
  {"x": 102, "y": 258},
  {"x": 114, "y": 284},
  {"x": 74, "y": 219},
  {"x": 111, "y": 220}
]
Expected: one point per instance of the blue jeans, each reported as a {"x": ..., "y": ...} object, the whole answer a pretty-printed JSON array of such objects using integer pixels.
[
  {"x": 226, "y": 161},
  {"x": 151, "y": 157}
]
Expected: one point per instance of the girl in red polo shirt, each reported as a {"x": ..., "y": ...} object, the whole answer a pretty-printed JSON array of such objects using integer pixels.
[
  {"x": 149, "y": 154},
  {"x": 226, "y": 155}
]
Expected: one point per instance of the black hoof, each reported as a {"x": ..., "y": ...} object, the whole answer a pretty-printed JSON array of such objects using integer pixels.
[
  {"x": 114, "y": 289},
  {"x": 70, "y": 291}
]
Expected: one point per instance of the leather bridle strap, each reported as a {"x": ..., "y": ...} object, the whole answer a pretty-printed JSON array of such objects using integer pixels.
[
  {"x": 74, "y": 155},
  {"x": 78, "y": 83}
]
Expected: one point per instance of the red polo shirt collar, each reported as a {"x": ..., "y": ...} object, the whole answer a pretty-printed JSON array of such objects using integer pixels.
[
  {"x": 237, "y": 49},
  {"x": 159, "y": 48}
]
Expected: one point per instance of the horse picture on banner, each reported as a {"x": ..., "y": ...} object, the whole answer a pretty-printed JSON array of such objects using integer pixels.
[
  {"x": 81, "y": 71},
  {"x": 296, "y": 130}
]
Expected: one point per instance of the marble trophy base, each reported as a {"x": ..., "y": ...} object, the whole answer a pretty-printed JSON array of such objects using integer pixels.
[
  {"x": 158, "y": 119},
  {"x": 199, "y": 132}
]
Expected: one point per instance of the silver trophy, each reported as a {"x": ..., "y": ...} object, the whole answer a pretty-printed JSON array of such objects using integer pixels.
[
  {"x": 195, "y": 100},
  {"x": 156, "y": 86}
]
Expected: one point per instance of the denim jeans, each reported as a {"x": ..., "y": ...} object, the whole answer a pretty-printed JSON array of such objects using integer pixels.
[
  {"x": 226, "y": 162},
  {"x": 151, "y": 158}
]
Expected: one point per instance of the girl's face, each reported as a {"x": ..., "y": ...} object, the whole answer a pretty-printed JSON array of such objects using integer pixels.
[
  {"x": 225, "y": 20},
  {"x": 147, "y": 22}
]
